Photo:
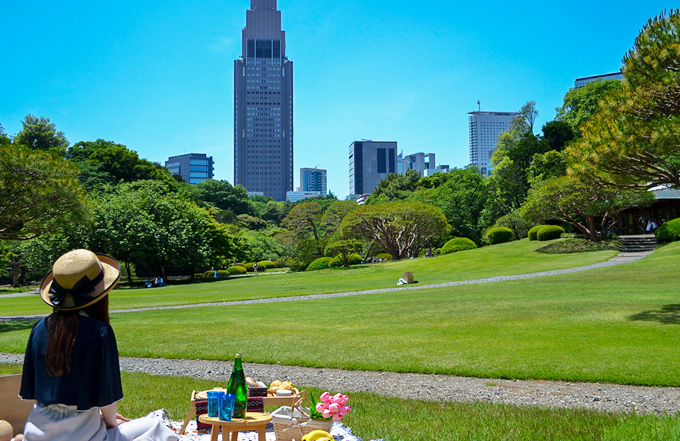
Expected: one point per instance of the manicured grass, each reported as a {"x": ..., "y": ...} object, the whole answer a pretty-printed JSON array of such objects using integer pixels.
[
  {"x": 503, "y": 259},
  {"x": 617, "y": 324},
  {"x": 393, "y": 419}
]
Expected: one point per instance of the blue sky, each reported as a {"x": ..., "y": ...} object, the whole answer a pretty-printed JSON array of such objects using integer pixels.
[{"x": 157, "y": 75}]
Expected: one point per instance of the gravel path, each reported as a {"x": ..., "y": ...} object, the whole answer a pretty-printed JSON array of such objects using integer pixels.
[{"x": 439, "y": 388}]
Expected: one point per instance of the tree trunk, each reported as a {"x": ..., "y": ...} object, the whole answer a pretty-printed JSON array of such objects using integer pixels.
[{"x": 129, "y": 272}]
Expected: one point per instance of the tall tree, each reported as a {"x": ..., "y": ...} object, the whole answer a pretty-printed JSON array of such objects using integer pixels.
[
  {"x": 38, "y": 133},
  {"x": 581, "y": 103},
  {"x": 39, "y": 191},
  {"x": 634, "y": 141},
  {"x": 395, "y": 187},
  {"x": 587, "y": 207},
  {"x": 401, "y": 228}
]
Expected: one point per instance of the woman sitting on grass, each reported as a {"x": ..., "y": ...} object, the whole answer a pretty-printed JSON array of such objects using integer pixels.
[{"x": 71, "y": 364}]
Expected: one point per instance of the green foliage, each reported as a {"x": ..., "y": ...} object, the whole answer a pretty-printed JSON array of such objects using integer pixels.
[
  {"x": 38, "y": 133},
  {"x": 250, "y": 222},
  {"x": 634, "y": 141},
  {"x": 320, "y": 263},
  {"x": 401, "y": 228},
  {"x": 516, "y": 223},
  {"x": 581, "y": 103},
  {"x": 461, "y": 197},
  {"x": 458, "y": 244},
  {"x": 344, "y": 250},
  {"x": 265, "y": 264},
  {"x": 103, "y": 163},
  {"x": 354, "y": 259},
  {"x": 532, "y": 233},
  {"x": 249, "y": 266},
  {"x": 39, "y": 192},
  {"x": 549, "y": 232},
  {"x": 395, "y": 187},
  {"x": 223, "y": 196},
  {"x": 669, "y": 232},
  {"x": 497, "y": 235},
  {"x": 237, "y": 270},
  {"x": 384, "y": 256}
]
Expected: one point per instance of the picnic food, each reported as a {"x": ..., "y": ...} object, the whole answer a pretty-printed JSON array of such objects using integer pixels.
[
  {"x": 251, "y": 382},
  {"x": 318, "y": 435},
  {"x": 237, "y": 386},
  {"x": 277, "y": 384}
]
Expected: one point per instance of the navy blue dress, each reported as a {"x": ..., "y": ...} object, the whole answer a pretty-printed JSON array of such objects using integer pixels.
[{"x": 94, "y": 379}]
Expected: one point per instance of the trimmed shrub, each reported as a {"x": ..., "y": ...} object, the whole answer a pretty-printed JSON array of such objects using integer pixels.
[
  {"x": 497, "y": 235},
  {"x": 265, "y": 264},
  {"x": 354, "y": 259},
  {"x": 549, "y": 232},
  {"x": 236, "y": 270},
  {"x": 384, "y": 256},
  {"x": 320, "y": 263},
  {"x": 534, "y": 231},
  {"x": 458, "y": 244},
  {"x": 516, "y": 223},
  {"x": 221, "y": 274},
  {"x": 669, "y": 232}
]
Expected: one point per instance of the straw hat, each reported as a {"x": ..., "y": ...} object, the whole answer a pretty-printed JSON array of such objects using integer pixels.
[{"x": 78, "y": 279}]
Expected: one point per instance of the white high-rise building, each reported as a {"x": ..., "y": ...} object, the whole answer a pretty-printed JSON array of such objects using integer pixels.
[{"x": 485, "y": 127}]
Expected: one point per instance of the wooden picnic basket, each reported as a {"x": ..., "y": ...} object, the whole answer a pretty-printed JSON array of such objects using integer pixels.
[{"x": 291, "y": 423}]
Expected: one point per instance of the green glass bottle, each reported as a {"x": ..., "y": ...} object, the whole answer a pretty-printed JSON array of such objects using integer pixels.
[{"x": 237, "y": 386}]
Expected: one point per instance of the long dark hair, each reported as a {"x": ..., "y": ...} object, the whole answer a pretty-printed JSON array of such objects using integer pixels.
[{"x": 62, "y": 328}]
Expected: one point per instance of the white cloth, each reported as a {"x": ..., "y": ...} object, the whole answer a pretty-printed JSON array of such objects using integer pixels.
[{"x": 64, "y": 423}]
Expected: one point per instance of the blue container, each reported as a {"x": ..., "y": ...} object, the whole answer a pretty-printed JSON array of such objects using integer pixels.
[
  {"x": 214, "y": 397},
  {"x": 227, "y": 406}
]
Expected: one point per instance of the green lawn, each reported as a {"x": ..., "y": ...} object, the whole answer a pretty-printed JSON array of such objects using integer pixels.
[
  {"x": 394, "y": 419},
  {"x": 617, "y": 324},
  {"x": 504, "y": 259}
]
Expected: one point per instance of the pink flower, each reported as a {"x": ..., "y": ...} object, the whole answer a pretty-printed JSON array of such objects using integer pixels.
[
  {"x": 337, "y": 417},
  {"x": 334, "y": 408},
  {"x": 326, "y": 413},
  {"x": 344, "y": 410},
  {"x": 325, "y": 397},
  {"x": 320, "y": 407}
]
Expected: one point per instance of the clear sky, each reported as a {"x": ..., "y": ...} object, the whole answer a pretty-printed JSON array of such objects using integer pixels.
[{"x": 157, "y": 75}]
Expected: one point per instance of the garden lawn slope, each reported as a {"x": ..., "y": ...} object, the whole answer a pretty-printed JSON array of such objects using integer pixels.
[{"x": 517, "y": 257}]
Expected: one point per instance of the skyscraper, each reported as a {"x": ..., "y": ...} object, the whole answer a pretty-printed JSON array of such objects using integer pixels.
[
  {"x": 263, "y": 105},
  {"x": 485, "y": 127},
  {"x": 369, "y": 163}
]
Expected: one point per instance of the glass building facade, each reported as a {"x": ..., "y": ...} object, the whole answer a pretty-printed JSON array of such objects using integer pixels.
[
  {"x": 192, "y": 167},
  {"x": 263, "y": 105}
]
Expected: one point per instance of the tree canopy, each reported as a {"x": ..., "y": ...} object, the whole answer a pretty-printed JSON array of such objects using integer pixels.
[
  {"x": 38, "y": 133},
  {"x": 634, "y": 141},
  {"x": 39, "y": 191}
]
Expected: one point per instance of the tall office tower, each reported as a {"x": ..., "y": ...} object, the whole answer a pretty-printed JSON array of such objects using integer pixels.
[
  {"x": 580, "y": 82},
  {"x": 313, "y": 179},
  {"x": 192, "y": 167},
  {"x": 485, "y": 127},
  {"x": 263, "y": 105},
  {"x": 419, "y": 162},
  {"x": 369, "y": 163}
]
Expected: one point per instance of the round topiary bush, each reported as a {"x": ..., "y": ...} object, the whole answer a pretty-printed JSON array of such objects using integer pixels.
[
  {"x": 669, "y": 232},
  {"x": 384, "y": 256},
  {"x": 320, "y": 263},
  {"x": 458, "y": 244},
  {"x": 499, "y": 235},
  {"x": 549, "y": 232},
  {"x": 265, "y": 264},
  {"x": 534, "y": 231},
  {"x": 337, "y": 261},
  {"x": 236, "y": 270}
]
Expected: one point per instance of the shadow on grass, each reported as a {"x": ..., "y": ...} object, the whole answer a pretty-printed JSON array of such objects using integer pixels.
[
  {"x": 16, "y": 325},
  {"x": 667, "y": 315}
]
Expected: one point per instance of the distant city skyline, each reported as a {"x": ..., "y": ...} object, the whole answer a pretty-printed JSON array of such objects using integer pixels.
[{"x": 156, "y": 75}]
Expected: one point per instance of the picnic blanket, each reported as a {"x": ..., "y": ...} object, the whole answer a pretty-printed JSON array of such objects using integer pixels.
[{"x": 339, "y": 431}]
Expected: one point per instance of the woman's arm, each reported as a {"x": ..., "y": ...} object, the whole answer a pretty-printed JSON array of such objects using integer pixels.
[{"x": 109, "y": 415}]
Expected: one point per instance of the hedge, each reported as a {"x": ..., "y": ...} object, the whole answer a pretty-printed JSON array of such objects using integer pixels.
[
  {"x": 499, "y": 235},
  {"x": 458, "y": 244},
  {"x": 669, "y": 232},
  {"x": 221, "y": 274},
  {"x": 534, "y": 231},
  {"x": 336, "y": 261},
  {"x": 549, "y": 232},
  {"x": 236, "y": 270},
  {"x": 265, "y": 264},
  {"x": 320, "y": 263},
  {"x": 384, "y": 256}
]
